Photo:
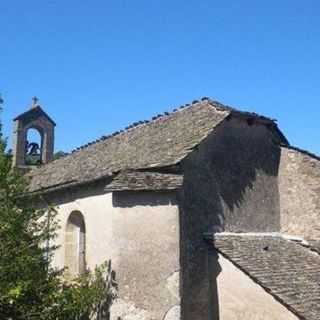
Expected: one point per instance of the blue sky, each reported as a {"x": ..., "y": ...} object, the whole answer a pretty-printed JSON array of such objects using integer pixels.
[{"x": 99, "y": 65}]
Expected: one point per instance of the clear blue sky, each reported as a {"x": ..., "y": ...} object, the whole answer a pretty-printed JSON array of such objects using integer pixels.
[{"x": 99, "y": 65}]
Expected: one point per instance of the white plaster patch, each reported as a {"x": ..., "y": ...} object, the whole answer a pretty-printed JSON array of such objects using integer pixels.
[
  {"x": 128, "y": 311},
  {"x": 173, "y": 313},
  {"x": 173, "y": 284}
]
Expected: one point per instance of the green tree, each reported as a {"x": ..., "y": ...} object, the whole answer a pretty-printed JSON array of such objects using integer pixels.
[
  {"x": 59, "y": 154},
  {"x": 30, "y": 288}
]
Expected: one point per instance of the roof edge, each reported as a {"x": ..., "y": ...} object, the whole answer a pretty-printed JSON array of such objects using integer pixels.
[
  {"x": 137, "y": 180},
  {"x": 303, "y": 151},
  {"x": 265, "y": 288},
  {"x": 35, "y": 109}
]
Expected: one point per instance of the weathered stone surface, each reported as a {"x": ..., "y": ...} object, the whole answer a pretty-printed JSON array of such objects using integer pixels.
[
  {"x": 314, "y": 245},
  {"x": 299, "y": 187},
  {"x": 128, "y": 311}
]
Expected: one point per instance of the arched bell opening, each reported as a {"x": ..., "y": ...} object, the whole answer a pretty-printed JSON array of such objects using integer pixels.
[
  {"x": 33, "y": 146},
  {"x": 33, "y": 138},
  {"x": 75, "y": 244}
]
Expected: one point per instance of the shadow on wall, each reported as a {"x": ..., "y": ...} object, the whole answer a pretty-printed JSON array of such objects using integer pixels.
[
  {"x": 214, "y": 269},
  {"x": 199, "y": 294},
  {"x": 230, "y": 184},
  {"x": 237, "y": 162},
  {"x": 129, "y": 199},
  {"x": 243, "y": 162}
]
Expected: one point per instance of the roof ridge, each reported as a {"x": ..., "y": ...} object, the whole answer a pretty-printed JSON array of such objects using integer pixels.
[
  {"x": 219, "y": 106},
  {"x": 140, "y": 123},
  {"x": 214, "y": 103},
  {"x": 146, "y": 122}
]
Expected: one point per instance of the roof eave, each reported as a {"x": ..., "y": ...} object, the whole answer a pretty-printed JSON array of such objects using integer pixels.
[{"x": 37, "y": 108}]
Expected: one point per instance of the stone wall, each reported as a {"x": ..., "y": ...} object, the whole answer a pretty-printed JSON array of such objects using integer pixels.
[
  {"x": 299, "y": 183},
  {"x": 146, "y": 255},
  {"x": 240, "y": 298},
  {"x": 230, "y": 183}
]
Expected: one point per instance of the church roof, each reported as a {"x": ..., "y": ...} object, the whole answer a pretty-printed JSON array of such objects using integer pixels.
[
  {"x": 287, "y": 269},
  {"x": 164, "y": 141}
]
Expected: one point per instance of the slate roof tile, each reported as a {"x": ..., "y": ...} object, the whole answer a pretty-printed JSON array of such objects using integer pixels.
[
  {"x": 165, "y": 141},
  {"x": 139, "y": 181},
  {"x": 286, "y": 269}
]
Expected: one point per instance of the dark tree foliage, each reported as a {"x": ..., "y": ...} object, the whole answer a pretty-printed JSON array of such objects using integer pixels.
[{"x": 30, "y": 288}]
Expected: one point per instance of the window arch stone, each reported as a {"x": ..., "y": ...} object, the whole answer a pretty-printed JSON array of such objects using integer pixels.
[{"x": 75, "y": 244}]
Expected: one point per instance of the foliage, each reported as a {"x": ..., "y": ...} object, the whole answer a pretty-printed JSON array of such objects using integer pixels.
[
  {"x": 85, "y": 297},
  {"x": 30, "y": 287},
  {"x": 59, "y": 154}
]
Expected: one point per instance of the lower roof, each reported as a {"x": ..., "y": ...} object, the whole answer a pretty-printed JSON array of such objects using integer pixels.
[
  {"x": 145, "y": 181},
  {"x": 287, "y": 269}
]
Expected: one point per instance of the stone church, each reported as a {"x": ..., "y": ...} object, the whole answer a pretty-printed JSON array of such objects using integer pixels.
[{"x": 206, "y": 212}]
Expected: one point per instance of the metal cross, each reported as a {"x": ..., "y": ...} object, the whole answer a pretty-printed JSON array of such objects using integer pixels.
[{"x": 34, "y": 101}]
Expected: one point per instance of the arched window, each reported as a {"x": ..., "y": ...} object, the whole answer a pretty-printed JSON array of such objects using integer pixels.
[
  {"x": 75, "y": 244},
  {"x": 33, "y": 147}
]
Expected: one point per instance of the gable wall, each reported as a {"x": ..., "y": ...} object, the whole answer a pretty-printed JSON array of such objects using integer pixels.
[
  {"x": 299, "y": 183},
  {"x": 230, "y": 183}
]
